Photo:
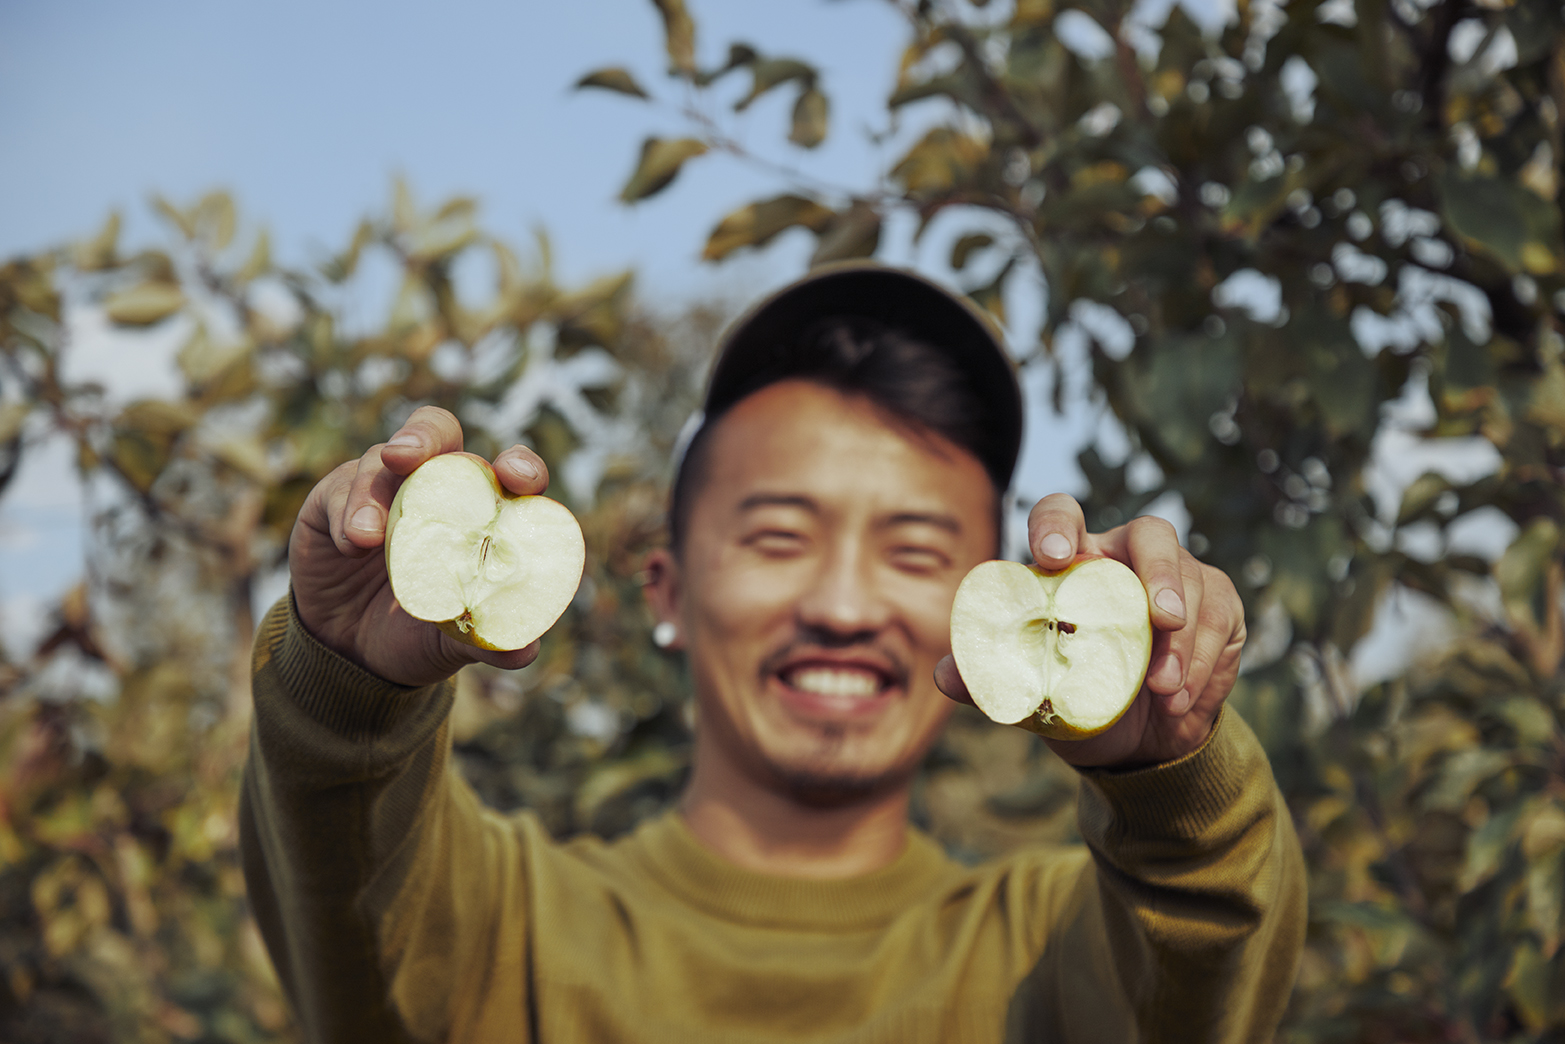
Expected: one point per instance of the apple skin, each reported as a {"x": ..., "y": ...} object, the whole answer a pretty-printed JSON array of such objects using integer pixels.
[
  {"x": 996, "y": 607},
  {"x": 567, "y": 576}
]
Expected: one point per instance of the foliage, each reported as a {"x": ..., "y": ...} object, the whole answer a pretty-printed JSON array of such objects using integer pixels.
[
  {"x": 1270, "y": 233},
  {"x": 122, "y": 912}
]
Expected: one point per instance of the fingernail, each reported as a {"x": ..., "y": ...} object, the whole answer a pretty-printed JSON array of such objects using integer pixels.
[
  {"x": 1179, "y": 702},
  {"x": 406, "y": 438},
  {"x": 1169, "y": 601},
  {"x": 1055, "y": 546},
  {"x": 366, "y": 520},
  {"x": 523, "y": 467}
]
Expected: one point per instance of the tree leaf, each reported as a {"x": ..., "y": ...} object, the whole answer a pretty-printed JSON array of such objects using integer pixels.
[
  {"x": 215, "y": 219},
  {"x": 180, "y": 220},
  {"x": 756, "y": 224},
  {"x": 1504, "y": 220},
  {"x": 962, "y": 250},
  {"x": 855, "y": 233},
  {"x": 260, "y": 260},
  {"x": 98, "y": 253},
  {"x": 680, "y": 36},
  {"x": 769, "y": 73},
  {"x": 144, "y": 304},
  {"x": 614, "y": 78},
  {"x": 939, "y": 161},
  {"x": 660, "y": 161},
  {"x": 809, "y": 118}
]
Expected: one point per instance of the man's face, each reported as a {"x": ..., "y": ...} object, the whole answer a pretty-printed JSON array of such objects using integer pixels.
[{"x": 822, "y": 552}]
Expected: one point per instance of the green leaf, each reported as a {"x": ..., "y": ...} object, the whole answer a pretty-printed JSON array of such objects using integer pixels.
[
  {"x": 756, "y": 224},
  {"x": 962, "y": 251},
  {"x": 1502, "y": 219},
  {"x": 144, "y": 304},
  {"x": 660, "y": 161},
  {"x": 809, "y": 119},
  {"x": 615, "y": 78},
  {"x": 1522, "y": 573},
  {"x": 855, "y": 233},
  {"x": 680, "y": 36},
  {"x": 1419, "y": 497}
]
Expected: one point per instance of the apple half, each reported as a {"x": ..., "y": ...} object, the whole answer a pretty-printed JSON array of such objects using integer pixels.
[
  {"x": 488, "y": 567},
  {"x": 1062, "y": 654}
]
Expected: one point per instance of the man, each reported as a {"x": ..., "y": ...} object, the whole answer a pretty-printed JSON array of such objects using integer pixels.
[{"x": 860, "y": 429}]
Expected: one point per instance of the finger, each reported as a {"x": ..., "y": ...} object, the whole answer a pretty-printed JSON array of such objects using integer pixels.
[
  {"x": 1056, "y": 530},
  {"x": 1219, "y": 637},
  {"x": 509, "y": 660},
  {"x": 369, "y": 499},
  {"x": 522, "y": 471},
  {"x": 1169, "y": 672},
  {"x": 950, "y": 682},
  {"x": 428, "y": 431},
  {"x": 1152, "y": 545},
  {"x": 324, "y": 510}
]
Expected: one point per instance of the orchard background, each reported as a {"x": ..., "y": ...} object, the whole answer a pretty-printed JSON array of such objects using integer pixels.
[{"x": 1272, "y": 250}]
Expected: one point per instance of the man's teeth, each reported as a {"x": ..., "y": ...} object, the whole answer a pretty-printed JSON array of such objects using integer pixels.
[{"x": 825, "y": 681}]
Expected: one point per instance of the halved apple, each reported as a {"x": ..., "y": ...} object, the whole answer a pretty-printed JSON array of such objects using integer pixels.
[
  {"x": 488, "y": 567},
  {"x": 1061, "y": 654}
]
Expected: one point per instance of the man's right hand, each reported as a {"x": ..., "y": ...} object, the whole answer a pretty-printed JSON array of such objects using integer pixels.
[{"x": 338, "y": 567}]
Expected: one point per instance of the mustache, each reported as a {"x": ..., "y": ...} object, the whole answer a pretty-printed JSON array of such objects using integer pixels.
[{"x": 815, "y": 640}]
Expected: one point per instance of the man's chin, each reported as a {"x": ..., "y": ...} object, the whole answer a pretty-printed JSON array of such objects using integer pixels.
[{"x": 829, "y": 788}]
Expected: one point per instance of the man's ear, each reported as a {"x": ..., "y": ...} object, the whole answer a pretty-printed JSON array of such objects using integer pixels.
[{"x": 661, "y": 584}]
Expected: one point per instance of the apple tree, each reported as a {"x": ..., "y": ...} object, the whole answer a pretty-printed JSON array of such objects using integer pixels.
[{"x": 1300, "y": 242}]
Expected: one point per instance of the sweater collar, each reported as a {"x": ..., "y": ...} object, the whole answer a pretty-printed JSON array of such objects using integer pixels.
[{"x": 701, "y": 878}]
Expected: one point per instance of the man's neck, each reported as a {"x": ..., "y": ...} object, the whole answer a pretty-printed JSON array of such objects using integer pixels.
[{"x": 763, "y": 829}]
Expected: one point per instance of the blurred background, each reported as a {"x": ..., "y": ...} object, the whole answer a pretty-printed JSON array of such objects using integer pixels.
[{"x": 1289, "y": 275}]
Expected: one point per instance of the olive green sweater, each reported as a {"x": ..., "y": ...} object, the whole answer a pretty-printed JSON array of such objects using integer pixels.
[{"x": 396, "y": 907}]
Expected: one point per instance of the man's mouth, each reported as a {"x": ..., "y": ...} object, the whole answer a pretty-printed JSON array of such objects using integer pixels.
[{"x": 835, "y": 682}]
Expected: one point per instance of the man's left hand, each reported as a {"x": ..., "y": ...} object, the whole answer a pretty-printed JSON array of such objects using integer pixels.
[{"x": 1197, "y": 634}]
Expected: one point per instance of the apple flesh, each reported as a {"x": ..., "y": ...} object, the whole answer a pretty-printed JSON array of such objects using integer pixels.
[
  {"x": 488, "y": 567},
  {"x": 1062, "y": 654}
]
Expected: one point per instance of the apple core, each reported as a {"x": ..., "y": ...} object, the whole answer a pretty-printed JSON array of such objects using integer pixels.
[
  {"x": 488, "y": 567},
  {"x": 1061, "y": 654}
]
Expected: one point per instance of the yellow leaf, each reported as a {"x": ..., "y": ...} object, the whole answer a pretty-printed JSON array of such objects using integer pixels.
[
  {"x": 756, "y": 224},
  {"x": 855, "y": 233},
  {"x": 809, "y": 119},
  {"x": 616, "y": 78},
  {"x": 145, "y": 304},
  {"x": 12, "y": 416},
  {"x": 260, "y": 259},
  {"x": 680, "y": 35},
  {"x": 942, "y": 159},
  {"x": 660, "y": 161},
  {"x": 98, "y": 253}
]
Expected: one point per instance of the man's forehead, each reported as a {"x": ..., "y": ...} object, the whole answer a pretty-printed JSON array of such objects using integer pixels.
[{"x": 798, "y": 442}]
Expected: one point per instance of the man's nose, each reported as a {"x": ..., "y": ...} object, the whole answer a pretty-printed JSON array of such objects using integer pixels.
[{"x": 844, "y": 601}]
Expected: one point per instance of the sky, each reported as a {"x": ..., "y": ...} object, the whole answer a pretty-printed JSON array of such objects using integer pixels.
[{"x": 307, "y": 111}]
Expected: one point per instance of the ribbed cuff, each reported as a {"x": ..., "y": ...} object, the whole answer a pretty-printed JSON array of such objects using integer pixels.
[
  {"x": 336, "y": 693},
  {"x": 1182, "y": 798}
]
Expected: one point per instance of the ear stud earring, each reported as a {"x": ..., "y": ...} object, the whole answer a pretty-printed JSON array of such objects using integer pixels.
[{"x": 664, "y": 633}]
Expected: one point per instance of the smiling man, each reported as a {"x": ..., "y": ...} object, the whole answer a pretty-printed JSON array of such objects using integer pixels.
[{"x": 860, "y": 429}]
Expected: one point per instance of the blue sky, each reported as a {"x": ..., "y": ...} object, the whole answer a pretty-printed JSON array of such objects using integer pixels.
[{"x": 306, "y": 111}]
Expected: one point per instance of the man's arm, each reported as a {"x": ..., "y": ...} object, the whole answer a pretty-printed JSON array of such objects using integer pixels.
[
  {"x": 386, "y": 895},
  {"x": 1189, "y": 920}
]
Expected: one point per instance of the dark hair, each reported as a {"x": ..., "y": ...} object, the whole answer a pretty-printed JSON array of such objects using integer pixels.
[{"x": 910, "y": 379}]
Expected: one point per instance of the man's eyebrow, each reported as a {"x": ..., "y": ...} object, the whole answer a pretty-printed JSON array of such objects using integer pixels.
[
  {"x": 924, "y": 518},
  {"x": 758, "y": 500}
]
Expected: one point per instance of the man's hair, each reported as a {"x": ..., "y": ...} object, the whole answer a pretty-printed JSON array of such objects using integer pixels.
[{"x": 913, "y": 381}]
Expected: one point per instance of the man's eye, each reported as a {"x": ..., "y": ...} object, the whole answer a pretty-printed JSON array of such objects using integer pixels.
[
  {"x": 916, "y": 559},
  {"x": 776, "y": 541}
]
